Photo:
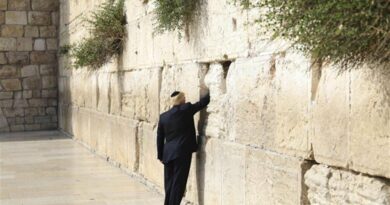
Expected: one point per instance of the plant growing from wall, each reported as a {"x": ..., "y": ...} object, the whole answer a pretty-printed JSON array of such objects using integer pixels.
[
  {"x": 171, "y": 15},
  {"x": 342, "y": 31},
  {"x": 107, "y": 31}
]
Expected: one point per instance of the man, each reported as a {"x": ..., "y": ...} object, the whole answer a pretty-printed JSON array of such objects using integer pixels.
[{"x": 176, "y": 141}]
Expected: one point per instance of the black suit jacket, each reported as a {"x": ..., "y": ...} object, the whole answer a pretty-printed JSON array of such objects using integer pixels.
[{"x": 176, "y": 134}]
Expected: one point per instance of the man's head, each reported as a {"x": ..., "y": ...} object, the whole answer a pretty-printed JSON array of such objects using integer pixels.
[{"x": 178, "y": 98}]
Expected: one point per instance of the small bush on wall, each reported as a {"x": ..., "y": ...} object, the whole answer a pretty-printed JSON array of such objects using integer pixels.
[
  {"x": 107, "y": 33},
  {"x": 347, "y": 32},
  {"x": 174, "y": 15}
]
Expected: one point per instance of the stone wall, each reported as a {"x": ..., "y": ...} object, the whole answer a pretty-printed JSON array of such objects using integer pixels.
[
  {"x": 275, "y": 125},
  {"x": 28, "y": 64}
]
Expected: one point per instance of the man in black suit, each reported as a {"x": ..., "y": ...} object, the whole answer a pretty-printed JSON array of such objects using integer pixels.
[{"x": 176, "y": 141}]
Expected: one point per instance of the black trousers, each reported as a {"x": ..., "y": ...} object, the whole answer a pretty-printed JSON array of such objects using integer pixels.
[{"x": 175, "y": 179}]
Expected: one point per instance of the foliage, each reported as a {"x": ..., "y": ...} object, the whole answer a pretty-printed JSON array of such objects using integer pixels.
[
  {"x": 174, "y": 15},
  {"x": 107, "y": 31},
  {"x": 349, "y": 32}
]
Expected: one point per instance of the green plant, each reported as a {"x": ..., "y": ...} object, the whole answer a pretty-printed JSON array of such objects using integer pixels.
[
  {"x": 174, "y": 15},
  {"x": 107, "y": 31},
  {"x": 348, "y": 32}
]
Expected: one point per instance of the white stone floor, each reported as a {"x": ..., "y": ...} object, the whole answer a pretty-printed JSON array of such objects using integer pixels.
[{"x": 46, "y": 168}]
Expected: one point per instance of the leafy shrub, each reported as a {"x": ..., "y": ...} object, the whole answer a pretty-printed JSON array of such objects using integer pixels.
[
  {"x": 174, "y": 15},
  {"x": 107, "y": 32},
  {"x": 349, "y": 32}
]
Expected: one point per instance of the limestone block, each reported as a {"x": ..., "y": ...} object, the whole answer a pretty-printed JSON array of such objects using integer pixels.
[
  {"x": 32, "y": 83},
  {"x": 49, "y": 81},
  {"x": 45, "y": 5},
  {"x": 6, "y": 95},
  {"x": 272, "y": 178},
  {"x": 100, "y": 132},
  {"x": 31, "y": 111},
  {"x": 49, "y": 93},
  {"x": 13, "y": 112},
  {"x": 17, "y": 128},
  {"x": 3, "y": 120},
  {"x": 30, "y": 70},
  {"x": 330, "y": 111},
  {"x": 51, "y": 44},
  {"x": 3, "y": 59},
  {"x": 55, "y": 18},
  {"x": 39, "y": 44},
  {"x": 334, "y": 186},
  {"x": 12, "y": 31},
  {"x": 24, "y": 44},
  {"x": 2, "y": 17},
  {"x": 18, "y": 5},
  {"x": 16, "y": 17},
  {"x": 18, "y": 57},
  {"x": 123, "y": 144},
  {"x": 39, "y": 18},
  {"x": 11, "y": 84},
  {"x": 7, "y": 44},
  {"x": 39, "y": 57},
  {"x": 83, "y": 128},
  {"x": 140, "y": 99},
  {"x": 103, "y": 88},
  {"x": 115, "y": 94},
  {"x": 47, "y": 31},
  {"x": 27, "y": 94},
  {"x": 8, "y": 71},
  {"x": 3, "y": 4},
  {"x": 63, "y": 90},
  {"x": 31, "y": 31},
  {"x": 149, "y": 166},
  {"x": 369, "y": 140},
  {"x": 6, "y": 103},
  {"x": 37, "y": 102},
  {"x": 32, "y": 127},
  {"x": 49, "y": 69}
]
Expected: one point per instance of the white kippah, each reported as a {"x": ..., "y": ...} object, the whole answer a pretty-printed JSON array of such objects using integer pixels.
[{"x": 177, "y": 98}]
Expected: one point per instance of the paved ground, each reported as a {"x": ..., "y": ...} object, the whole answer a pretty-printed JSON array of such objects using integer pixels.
[{"x": 45, "y": 168}]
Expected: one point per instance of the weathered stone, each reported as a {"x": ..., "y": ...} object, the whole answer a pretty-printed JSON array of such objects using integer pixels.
[
  {"x": 49, "y": 81},
  {"x": 16, "y": 17},
  {"x": 4, "y": 127},
  {"x": 47, "y": 31},
  {"x": 48, "y": 126},
  {"x": 18, "y": 95},
  {"x": 39, "y": 18},
  {"x": 32, "y": 127},
  {"x": 12, "y": 31},
  {"x": 45, "y": 5},
  {"x": 29, "y": 119},
  {"x": 2, "y": 20},
  {"x": 42, "y": 119},
  {"x": 39, "y": 57},
  {"x": 52, "y": 102},
  {"x": 55, "y": 19},
  {"x": 39, "y": 44},
  {"x": 11, "y": 84},
  {"x": 31, "y": 111},
  {"x": 7, "y": 44},
  {"x": 37, "y": 102},
  {"x": 27, "y": 94},
  {"x": 5, "y": 95},
  {"x": 18, "y": 5},
  {"x": 32, "y": 83},
  {"x": 51, "y": 110},
  {"x": 3, "y": 4},
  {"x": 20, "y": 103},
  {"x": 30, "y": 70},
  {"x": 49, "y": 93},
  {"x": 24, "y": 44},
  {"x": 8, "y": 71},
  {"x": 103, "y": 85},
  {"x": 31, "y": 31},
  {"x": 3, "y": 59},
  {"x": 18, "y": 57},
  {"x": 6, "y": 103},
  {"x": 334, "y": 186},
  {"x": 16, "y": 128},
  {"x": 36, "y": 93},
  {"x": 51, "y": 44},
  {"x": 13, "y": 112},
  {"x": 41, "y": 111},
  {"x": 47, "y": 69}
]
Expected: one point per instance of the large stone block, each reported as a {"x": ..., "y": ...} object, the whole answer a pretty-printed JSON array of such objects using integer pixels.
[
  {"x": 8, "y": 71},
  {"x": 32, "y": 83},
  {"x": 18, "y": 57},
  {"x": 3, "y": 4},
  {"x": 140, "y": 99},
  {"x": 7, "y": 44},
  {"x": 11, "y": 84},
  {"x": 103, "y": 88},
  {"x": 12, "y": 31},
  {"x": 45, "y": 5},
  {"x": 16, "y": 17},
  {"x": 18, "y": 5},
  {"x": 39, "y": 18},
  {"x": 30, "y": 70},
  {"x": 369, "y": 138},
  {"x": 272, "y": 178},
  {"x": 49, "y": 81},
  {"x": 6, "y": 95},
  {"x": 24, "y": 44},
  {"x": 3, "y": 59},
  {"x": 2, "y": 17},
  {"x": 115, "y": 94},
  {"x": 327, "y": 185},
  {"x": 149, "y": 166},
  {"x": 40, "y": 57},
  {"x": 47, "y": 31},
  {"x": 31, "y": 31}
]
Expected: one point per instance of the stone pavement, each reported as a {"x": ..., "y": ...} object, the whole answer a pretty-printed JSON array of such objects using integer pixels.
[{"x": 47, "y": 168}]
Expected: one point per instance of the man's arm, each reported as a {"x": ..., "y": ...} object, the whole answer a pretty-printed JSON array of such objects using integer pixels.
[
  {"x": 203, "y": 102},
  {"x": 160, "y": 140}
]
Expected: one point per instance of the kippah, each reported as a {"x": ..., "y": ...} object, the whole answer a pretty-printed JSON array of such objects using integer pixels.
[{"x": 175, "y": 93}]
